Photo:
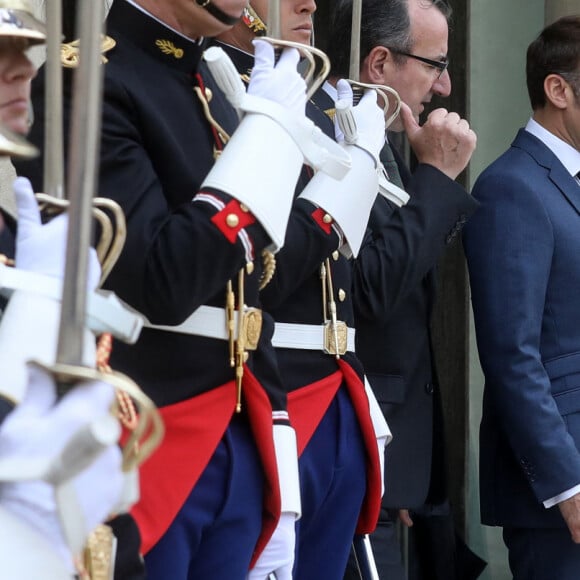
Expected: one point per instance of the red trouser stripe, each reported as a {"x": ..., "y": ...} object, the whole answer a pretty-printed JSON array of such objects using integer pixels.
[
  {"x": 260, "y": 414},
  {"x": 369, "y": 514}
]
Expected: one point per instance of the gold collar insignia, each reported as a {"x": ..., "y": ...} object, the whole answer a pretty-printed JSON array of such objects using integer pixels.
[{"x": 167, "y": 47}]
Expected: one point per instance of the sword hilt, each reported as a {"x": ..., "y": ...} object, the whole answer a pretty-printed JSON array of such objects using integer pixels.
[{"x": 310, "y": 54}]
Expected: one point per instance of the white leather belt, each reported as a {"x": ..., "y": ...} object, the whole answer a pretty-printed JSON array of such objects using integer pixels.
[
  {"x": 207, "y": 321},
  {"x": 305, "y": 336}
]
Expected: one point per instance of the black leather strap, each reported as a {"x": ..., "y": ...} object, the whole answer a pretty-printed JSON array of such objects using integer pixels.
[{"x": 217, "y": 13}]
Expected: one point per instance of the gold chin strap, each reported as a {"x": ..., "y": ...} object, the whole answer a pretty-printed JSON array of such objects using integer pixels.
[{"x": 15, "y": 145}]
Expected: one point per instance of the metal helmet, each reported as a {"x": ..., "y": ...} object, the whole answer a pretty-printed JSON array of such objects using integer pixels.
[{"x": 17, "y": 20}]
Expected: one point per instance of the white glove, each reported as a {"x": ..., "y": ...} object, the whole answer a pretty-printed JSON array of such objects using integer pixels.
[
  {"x": 34, "y": 440},
  {"x": 362, "y": 125},
  {"x": 42, "y": 248},
  {"x": 280, "y": 81},
  {"x": 361, "y": 131},
  {"x": 278, "y": 555},
  {"x": 30, "y": 322}
]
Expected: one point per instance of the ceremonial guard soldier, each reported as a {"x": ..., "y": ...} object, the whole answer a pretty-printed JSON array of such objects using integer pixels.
[
  {"x": 198, "y": 219},
  {"x": 310, "y": 299}
]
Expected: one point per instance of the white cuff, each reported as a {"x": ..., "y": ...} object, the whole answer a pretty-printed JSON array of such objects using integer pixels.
[
  {"x": 391, "y": 191},
  {"x": 287, "y": 463},
  {"x": 260, "y": 167},
  {"x": 379, "y": 422},
  {"x": 561, "y": 497},
  {"x": 381, "y": 427}
]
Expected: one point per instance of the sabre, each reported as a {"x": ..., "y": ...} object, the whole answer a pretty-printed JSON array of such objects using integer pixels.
[
  {"x": 81, "y": 181},
  {"x": 309, "y": 53},
  {"x": 354, "y": 68},
  {"x": 53, "y": 169},
  {"x": 69, "y": 368},
  {"x": 365, "y": 560},
  {"x": 85, "y": 136},
  {"x": 274, "y": 20},
  {"x": 345, "y": 119},
  {"x": 354, "y": 62}
]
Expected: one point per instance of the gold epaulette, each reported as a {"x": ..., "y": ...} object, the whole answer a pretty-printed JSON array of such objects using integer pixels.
[{"x": 69, "y": 51}]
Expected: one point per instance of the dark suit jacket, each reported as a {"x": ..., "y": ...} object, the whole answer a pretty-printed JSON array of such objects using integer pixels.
[
  {"x": 523, "y": 249},
  {"x": 395, "y": 290}
]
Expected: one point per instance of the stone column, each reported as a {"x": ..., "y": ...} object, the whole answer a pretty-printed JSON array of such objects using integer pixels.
[{"x": 557, "y": 8}]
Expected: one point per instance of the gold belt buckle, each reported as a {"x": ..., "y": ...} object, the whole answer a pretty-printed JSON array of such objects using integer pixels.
[
  {"x": 250, "y": 328},
  {"x": 339, "y": 329}
]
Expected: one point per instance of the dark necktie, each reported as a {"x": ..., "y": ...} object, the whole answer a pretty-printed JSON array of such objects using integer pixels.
[{"x": 389, "y": 163}]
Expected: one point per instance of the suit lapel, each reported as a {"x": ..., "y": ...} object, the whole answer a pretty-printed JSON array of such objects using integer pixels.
[{"x": 556, "y": 171}]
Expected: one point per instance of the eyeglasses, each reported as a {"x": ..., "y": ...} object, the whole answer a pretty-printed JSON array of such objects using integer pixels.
[{"x": 440, "y": 65}]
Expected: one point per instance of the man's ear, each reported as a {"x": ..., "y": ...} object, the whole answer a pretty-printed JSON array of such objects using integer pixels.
[
  {"x": 558, "y": 91},
  {"x": 374, "y": 65}
]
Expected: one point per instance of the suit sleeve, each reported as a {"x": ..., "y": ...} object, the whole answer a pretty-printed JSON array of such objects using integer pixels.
[
  {"x": 509, "y": 246},
  {"x": 403, "y": 244}
]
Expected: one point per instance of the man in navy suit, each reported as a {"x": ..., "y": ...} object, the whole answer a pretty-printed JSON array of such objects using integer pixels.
[{"x": 523, "y": 249}]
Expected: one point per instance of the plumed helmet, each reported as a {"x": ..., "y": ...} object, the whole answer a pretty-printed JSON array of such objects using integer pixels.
[{"x": 17, "y": 20}]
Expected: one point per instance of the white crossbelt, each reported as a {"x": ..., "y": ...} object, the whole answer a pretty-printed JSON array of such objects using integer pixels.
[
  {"x": 105, "y": 312},
  {"x": 305, "y": 336}
]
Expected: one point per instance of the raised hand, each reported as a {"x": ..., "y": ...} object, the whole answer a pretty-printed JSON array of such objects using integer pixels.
[{"x": 445, "y": 140}]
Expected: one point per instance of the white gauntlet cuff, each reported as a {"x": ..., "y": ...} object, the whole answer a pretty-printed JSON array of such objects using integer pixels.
[
  {"x": 287, "y": 463},
  {"x": 348, "y": 201}
]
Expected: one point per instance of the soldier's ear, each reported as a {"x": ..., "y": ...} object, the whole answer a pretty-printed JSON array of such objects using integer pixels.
[{"x": 376, "y": 65}]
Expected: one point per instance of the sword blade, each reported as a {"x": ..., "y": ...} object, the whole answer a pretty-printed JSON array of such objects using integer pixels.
[
  {"x": 274, "y": 20},
  {"x": 354, "y": 63},
  {"x": 364, "y": 557},
  {"x": 53, "y": 137},
  {"x": 82, "y": 180}
]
